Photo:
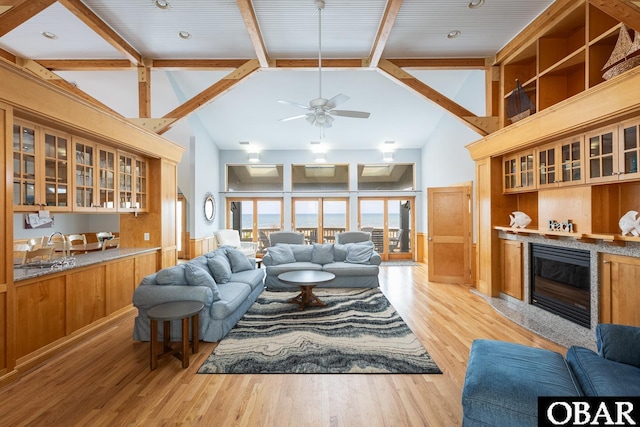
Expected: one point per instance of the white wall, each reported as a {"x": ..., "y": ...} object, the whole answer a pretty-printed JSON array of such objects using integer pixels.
[{"x": 68, "y": 223}]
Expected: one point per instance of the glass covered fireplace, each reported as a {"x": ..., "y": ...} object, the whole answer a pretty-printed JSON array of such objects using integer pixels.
[{"x": 561, "y": 282}]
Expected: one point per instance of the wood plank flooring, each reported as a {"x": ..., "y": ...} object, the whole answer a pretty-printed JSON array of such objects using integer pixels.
[{"x": 106, "y": 380}]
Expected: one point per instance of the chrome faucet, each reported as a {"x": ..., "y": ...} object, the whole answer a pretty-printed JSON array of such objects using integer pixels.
[{"x": 55, "y": 233}]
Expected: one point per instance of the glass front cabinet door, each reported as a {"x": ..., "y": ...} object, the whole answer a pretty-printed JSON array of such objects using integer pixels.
[
  {"x": 560, "y": 163},
  {"x": 629, "y": 146},
  {"x": 132, "y": 182},
  {"x": 41, "y": 168},
  {"x": 519, "y": 172}
]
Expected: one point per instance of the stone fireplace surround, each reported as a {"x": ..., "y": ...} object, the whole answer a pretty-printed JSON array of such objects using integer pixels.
[{"x": 542, "y": 322}]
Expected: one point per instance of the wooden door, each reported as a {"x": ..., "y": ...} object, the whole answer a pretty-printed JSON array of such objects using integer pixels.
[{"x": 449, "y": 234}]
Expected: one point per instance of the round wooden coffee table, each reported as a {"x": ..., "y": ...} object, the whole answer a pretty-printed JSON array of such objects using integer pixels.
[{"x": 307, "y": 280}]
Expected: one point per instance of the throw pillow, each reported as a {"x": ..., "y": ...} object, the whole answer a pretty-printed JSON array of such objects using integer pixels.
[
  {"x": 172, "y": 276},
  {"x": 281, "y": 254},
  {"x": 300, "y": 252},
  {"x": 322, "y": 254},
  {"x": 220, "y": 268},
  {"x": 198, "y": 276},
  {"x": 359, "y": 253},
  {"x": 238, "y": 260},
  {"x": 339, "y": 252}
]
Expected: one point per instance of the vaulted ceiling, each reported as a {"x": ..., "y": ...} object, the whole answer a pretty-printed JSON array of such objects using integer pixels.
[{"x": 237, "y": 58}]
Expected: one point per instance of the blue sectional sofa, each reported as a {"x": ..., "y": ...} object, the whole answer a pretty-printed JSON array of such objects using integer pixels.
[
  {"x": 352, "y": 259},
  {"x": 224, "y": 280},
  {"x": 504, "y": 380}
]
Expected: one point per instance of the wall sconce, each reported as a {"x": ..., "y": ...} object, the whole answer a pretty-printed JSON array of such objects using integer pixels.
[
  {"x": 387, "y": 156},
  {"x": 320, "y": 157},
  {"x": 254, "y": 157}
]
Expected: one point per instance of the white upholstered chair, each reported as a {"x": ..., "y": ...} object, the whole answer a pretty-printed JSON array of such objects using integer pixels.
[{"x": 232, "y": 238}]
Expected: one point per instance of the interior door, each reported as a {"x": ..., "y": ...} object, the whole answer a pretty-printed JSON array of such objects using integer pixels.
[{"x": 449, "y": 234}]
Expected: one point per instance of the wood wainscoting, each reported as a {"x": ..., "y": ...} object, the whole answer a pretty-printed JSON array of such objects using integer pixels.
[{"x": 202, "y": 245}]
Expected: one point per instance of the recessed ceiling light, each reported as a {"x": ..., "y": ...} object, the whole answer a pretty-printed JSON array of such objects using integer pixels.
[
  {"x": 314, "y": 142},
  {"x": 474, "y": 4},
  {"x": 389, "y": 142},
  {"x": 162, "y": 4},
  {"x": 243, "y": 142},
  {"x": 184, "y": 35},
  {"x": 453, "y": 34},
  {"x": 49, "y": 35}
]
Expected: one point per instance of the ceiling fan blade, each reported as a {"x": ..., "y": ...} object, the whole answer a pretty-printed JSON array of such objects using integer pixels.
[
  {"x": 348, "y": 113},
  {"x": 300, "y": 116},
  {"x": 337, "y": 100},
  {"x": 281, "y": 101}
]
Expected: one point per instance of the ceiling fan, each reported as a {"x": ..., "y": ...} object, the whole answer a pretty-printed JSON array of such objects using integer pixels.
[{"x": 322, "y": 110}]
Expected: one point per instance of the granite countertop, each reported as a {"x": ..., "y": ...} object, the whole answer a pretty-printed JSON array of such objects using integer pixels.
[{"x": 81, "y": 260}]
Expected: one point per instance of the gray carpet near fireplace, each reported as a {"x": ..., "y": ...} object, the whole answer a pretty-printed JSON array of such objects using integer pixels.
[{"x": 358, "y": 331}]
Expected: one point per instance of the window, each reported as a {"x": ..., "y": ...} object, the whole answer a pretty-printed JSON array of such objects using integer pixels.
[
  {"x": 254, "y": 178},
  {"x": 386, "y": 177},
  {"x": 320, "y": 177}
]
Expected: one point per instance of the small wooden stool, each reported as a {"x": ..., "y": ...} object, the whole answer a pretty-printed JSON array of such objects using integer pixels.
[{"x": 176, "y": 310}]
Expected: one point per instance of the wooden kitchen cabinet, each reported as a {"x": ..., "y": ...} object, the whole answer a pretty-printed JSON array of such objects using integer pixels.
[
  {"x": 519, "y": 172},
  {"x": 511, "y": 254},
  {"x": 41, "y": 168},
  {"x": 132, "y": 182},
  {"x": 561, "y": 163},
  {"x": 619, "y": 296},
  {"x": 94, "y": 177}
]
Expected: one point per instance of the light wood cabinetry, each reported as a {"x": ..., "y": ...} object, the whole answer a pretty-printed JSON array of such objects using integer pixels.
[
  {"x": 41, "y": 168},
  {"x": 614, "y": 153},
  {"x": 54, "y": 309},
  {"x": 619, "y": 293},
  {"x": 519, "y": 172},
  {"x": 563, "y": 60},
  {"x": 511, "y": 254},
  {"x": 132, "y": 182},
  {"x": 94, "y": 177},
  {"x": 560, "y": 163}
]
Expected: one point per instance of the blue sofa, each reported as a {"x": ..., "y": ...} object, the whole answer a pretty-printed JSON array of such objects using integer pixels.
[
  {"x": 224, "y": 280},
  {"x": 352, "y": 259},
  {"x": 504, "y": 380}
]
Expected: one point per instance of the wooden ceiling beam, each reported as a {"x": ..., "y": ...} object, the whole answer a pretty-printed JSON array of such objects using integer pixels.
[
  {"x": 388, "y": 19},
  {"x": 481, "y": 125},
  {"x": 251, "y": 22},
  {"x": 326, "y": 63},
  {"x": 440, "y": 63},
  {"x": 218, "y": 88},
  {"x": 37, "y": 69},
  {"x": 8, "y": 56},
  {"x": 94, "y": 22},
  {"x": 199, "y": 64},
  {"x": 85, "y": 64},
  {"x": 21, "y": 12},
  {"x": 625, "y": 11}
]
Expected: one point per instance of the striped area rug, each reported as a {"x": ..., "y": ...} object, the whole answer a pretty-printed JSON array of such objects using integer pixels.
[{"x": 358, "y": 331}]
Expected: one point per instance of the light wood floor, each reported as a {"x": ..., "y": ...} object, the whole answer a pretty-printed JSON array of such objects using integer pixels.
[{"x": 106, "y": 381}]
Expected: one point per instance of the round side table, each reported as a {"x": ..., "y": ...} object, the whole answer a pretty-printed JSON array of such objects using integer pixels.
[{"x": 176, "y": 310}]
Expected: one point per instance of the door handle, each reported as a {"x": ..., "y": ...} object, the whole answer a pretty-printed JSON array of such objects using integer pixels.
[{"x": 429, "y": 238}]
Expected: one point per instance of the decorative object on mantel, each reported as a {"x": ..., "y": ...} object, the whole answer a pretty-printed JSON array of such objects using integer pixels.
[
  {"x": 519, "y": 104},
  {"x": 629, "y": 224},
  {"x": 519, "y": 219},
  {"x": 624, "y": 56},
  {"x": 566, "y": 226}
]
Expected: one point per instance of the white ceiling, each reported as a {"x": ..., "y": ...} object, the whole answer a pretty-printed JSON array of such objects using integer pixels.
[{"x": 289, "y": 29}]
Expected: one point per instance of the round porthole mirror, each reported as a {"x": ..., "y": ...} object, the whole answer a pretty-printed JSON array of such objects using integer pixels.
[{"x": 209, "y": 208}]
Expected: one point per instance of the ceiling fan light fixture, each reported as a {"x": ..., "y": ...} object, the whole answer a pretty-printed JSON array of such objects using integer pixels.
[
  {"x": 474, "y": 4},
  {"x": 454, "y": 34}
]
